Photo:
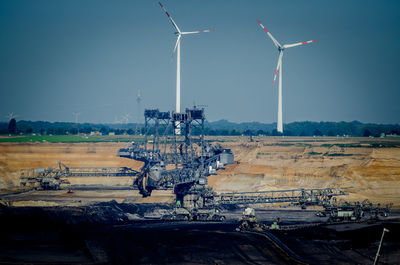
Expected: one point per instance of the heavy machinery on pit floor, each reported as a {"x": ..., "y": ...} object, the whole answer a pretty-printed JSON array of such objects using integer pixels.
[
  {"x": 249, "y": 221},
  {"x": 177, "y": 161},
  {"x": 183, "y": 162},
  {"x": 202, "y": 214},
  {"x": 354, "y": 212},
  {"x": 44, "y": 178},
  {"x": 60, "y": 177},
  {"x": 340, "y": 212},
  {"x": 301, "y": 197}
]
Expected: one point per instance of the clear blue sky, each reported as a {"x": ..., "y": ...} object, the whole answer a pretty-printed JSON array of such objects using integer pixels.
[{"x": 59, "y": 57}]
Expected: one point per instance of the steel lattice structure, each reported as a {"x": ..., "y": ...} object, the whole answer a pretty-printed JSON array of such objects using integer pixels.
[{"x": 299, "y": 196}]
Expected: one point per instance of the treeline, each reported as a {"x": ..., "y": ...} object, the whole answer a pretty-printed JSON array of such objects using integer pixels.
[
  {"x": 222, "y": 127},
  {"x": 63, "y": 128}
]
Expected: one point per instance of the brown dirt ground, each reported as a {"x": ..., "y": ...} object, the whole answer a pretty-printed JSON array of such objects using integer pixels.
[
  {"x": 18, "y": 157},
  {"x": 274, "y": 164},
  {"x": 266, "y": 164}
]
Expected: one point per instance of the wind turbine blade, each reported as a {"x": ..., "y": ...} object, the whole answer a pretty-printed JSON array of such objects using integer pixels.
[
  {"x": 277, "y": 67},
  {"x": 297, "y": 44},
  {"x": 170, "y": 18},
  {"x": 277, "y": 44},
  {"x": 199, "y": 31},
  {"x": 177, "y": 42}
]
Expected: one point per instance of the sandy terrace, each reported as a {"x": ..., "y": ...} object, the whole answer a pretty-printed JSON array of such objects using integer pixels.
[
  {"x": 266, "y": 164},
  {"x": 18, "y": 157},
  {"x": 273, "y": 164}
]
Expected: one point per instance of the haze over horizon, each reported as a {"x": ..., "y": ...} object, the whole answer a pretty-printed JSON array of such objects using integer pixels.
[{"x": 60, "y": 57}]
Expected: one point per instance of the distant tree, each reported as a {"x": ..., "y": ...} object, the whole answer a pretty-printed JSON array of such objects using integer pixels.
[
  {"x": 12, "y": 126},
  {"x": 130, "y": 132},
  {"x": 118, "y": 131},
  {"x": 317, "y": 132},
  {"x": 213, "y": 132},
  {"x": 248, "y": 132},
  {"x": 303, "y": 133},
  {"x": 87, "y": 130},
  {"x": 60, "y": 131},
  {"x": 104, "y": 130},
  {"x": 288, "y": 133},
  {"x": 74, "y": 131},
  {"x": 261, "y": 132},
  {"x": 330, "y": 133},
  {"x": 29, "y": 130},
  {"x": 234, "y": 132},
  {"x": 224, "y": 132},
  {"x": 276, "y": 133},
  {"x": 366, "y": 133}
]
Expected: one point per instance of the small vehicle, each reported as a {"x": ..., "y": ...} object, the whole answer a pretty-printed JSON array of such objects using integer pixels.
[{"x": 249, "y": 221}]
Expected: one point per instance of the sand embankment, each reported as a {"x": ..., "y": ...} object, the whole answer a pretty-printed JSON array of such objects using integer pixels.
[
  {"x": 273, "y": 164},
  {"x": 18, "y": 157},
  {"x": 371, "y": 170}
]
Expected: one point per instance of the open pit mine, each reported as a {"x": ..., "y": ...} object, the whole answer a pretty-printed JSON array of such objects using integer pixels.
[{"x": 175, "y": 196}]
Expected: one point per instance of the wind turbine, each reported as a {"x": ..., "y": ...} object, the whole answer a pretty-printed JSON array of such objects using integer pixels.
[
  {"x": 281, "y": 48},
  {"x": 138, "y": 100},
  {"x": 11, "y": 116},
  {"x": 76, "y": 115},
  {"x": 116, "y": 119},
  {"x": 125, "y": 118},
  {"x": 177, "y": 48}
]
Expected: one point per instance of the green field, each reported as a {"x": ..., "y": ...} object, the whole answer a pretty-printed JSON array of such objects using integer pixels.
[
  {"x": 92, "y": 138},
  {"x": 69, "y": 138}
]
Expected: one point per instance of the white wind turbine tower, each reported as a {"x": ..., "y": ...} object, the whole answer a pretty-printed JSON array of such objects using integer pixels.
[
  {"x": 177, "y": 48},
  {"x": 76, "y": 115},
  {"x": 116, "y": 119},
  {"x": 281, "y": 48},
  {"x": 138, "y": 100}
]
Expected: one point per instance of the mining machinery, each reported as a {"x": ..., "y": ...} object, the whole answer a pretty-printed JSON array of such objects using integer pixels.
[
  {"x": 181, "y": 162},
  {"x": 301, "y": 197},
  {"x": 45, "y": 178},
  {"x": 354, "y": 211},
  {"x": 249, "y": 221},
  {"x": 54, "y": 178},
  {"x": 177, "y": 161},
  {"x": 201, "y": 214}
]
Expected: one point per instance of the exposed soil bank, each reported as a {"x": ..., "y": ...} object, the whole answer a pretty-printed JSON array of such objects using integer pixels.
[{"x": 371, "y": 167}]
